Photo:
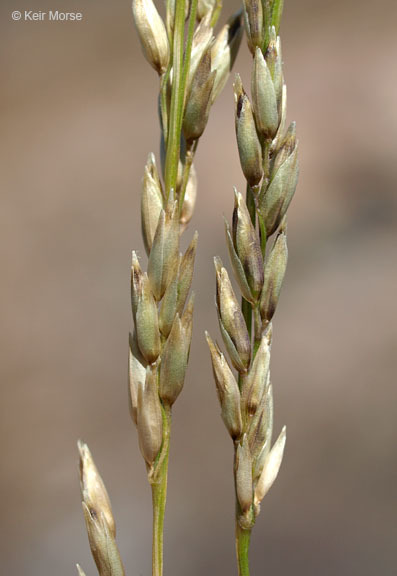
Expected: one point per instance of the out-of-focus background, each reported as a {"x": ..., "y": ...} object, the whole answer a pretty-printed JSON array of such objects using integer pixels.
[{"x": 78, "y": 118}]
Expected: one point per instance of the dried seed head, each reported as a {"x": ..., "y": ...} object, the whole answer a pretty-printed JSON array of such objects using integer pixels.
[
  {"x": 186, "y": 273},
  {"x": 286, "y": 147},
  {"x": 187, "y": 321},
  {"x": 228, "y": 391},
  {"x": 169, "y": 303},
  {"x": 189, "y": 200},
  {"x": 264, "y": 98},
  {"x": 253, "y": 19},
  {"x": 150, "y": 422},
  {"x": 93, "y": 491},
  {"x": 244, "y": 476},
  {"x": 174, "y": 363},
  {"x": 102, "y": 543},
  {"x": 136, "y": 282},
  {"x": 261, "y": 425},
  {"x": 137, "y": 375},
  {"x": 224, "y": 52},
  {"x": 152, "y": 34},
  {"x": 202, "y": 40},
  {"x": 274, "y": 275},
  {"x": 199, "y": 100},
  {"x": 255, "y": 384},
  {"x": 275, "y": 145},
  {"x": 151, "y": 202},
  {"x": 147, "y": 326},
  {"x": 274, "y": 63},
  {"x": 205, "y": 7},
  {"x": 271, "y": 468},
  {"x": 274, "y": 202},
  {"x": 247, "y": 246},
  {"x": 165, "y": 250},
  {"x": 238, "y": 267},
  {"x": 249, "y": 147},
  {"x": 233, "y": 327}
]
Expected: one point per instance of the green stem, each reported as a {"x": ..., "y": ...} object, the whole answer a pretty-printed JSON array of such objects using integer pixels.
[
  {"x": 177, "y": 95},
  {"x": 159, "y": 497},
  {"x": 243, "y": 538}
]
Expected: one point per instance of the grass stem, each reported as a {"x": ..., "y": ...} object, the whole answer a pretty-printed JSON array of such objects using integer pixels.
[{"x": 159, "y": 497}]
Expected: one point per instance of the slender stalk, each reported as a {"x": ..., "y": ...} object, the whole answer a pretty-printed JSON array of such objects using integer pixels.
[
  {"x": 243, "y": 539},
  {"x": 177, "y": 96},
  {"x": 159, "y": 497}
]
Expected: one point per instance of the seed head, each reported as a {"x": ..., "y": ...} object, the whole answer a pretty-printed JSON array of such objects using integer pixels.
[
  {"x": 249, "y": 147},
  {"x": 271, "y": 468},
  {"x": 102, "y": 543},
  {"x": 228, "y": 391},
  {"x": 189, "y": 200},
  {"x": 231, "y": 320},
  {"x": 147, "y": 326},
  {"x": 244, "y": 475},
  {"x": 137, "y": 375},
  {"x": 174, "y": 363},
  {"x": 253, "y": 20},
  {"x": 151, "y": 202},
  {"x": 199, "y": 99},
  {"x": 264, "y": 98},
  {"x": 150, "y": 422},
  {"x": 255, "y": 384},
  {"x": 274, "y": 275},
  {"x": 93, "y": 491},
  {"x": 224, "y": 52},
  {"x": 274, "y": 202},
  {"x": 247, "y": 246},
  {"x": 152, "y": 34},
  {"x": 165, "y": 250}
]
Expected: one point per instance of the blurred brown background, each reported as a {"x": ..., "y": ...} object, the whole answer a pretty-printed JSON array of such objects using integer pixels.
[{"x": 78, "y": 118}]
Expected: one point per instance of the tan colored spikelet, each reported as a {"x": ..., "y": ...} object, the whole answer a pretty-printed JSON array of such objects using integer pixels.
[
  {"x": 271, "y": 468},
  {"x": 199, "y": 99},
  {"x": 189, "y": 200},
  {"x": 93, "y": 491},
  {"x": 248, "y": 143},
  {"x": 147, "y": 326},
  {"x": 168, "y": 308},
  {"x": 165, "y": 251},
  {"x": 205, "y": 7},
  {"x": 244, "y": 475},
  {"x": 174, "y": 363},
  {"x": 274, "y": 275},
  {"x": 152, "y": 34},
  {"x": 150, "y": 421},
  {"x": 136, "y": 374},
  {"x": 151, "y": 202},
  {"x": 80, "y": 570},
  {"x": 274, "y": 202},
  {"x": 102, "y": 543},
  {"x": 255, "y": 383},
  {"x": 231, "y": 321},
  {"x": 247, "y": 246},
  {"x": 186, "y": 273},
  {"x": 264, "y": 99},
  {"x": 224, "y": 52},
  {"x": 228, "y": 391}
]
